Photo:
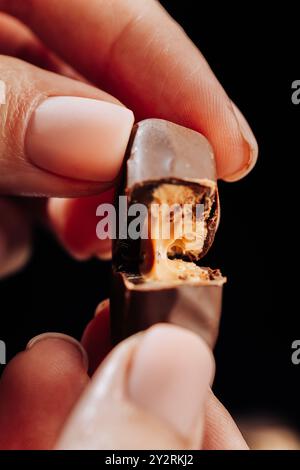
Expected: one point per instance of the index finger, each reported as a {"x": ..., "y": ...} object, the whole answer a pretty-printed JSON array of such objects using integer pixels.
[{"x": 134, "y": 50}]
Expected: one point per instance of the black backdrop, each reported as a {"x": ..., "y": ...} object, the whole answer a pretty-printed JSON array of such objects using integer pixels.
[{"x": 255, "y": 58}]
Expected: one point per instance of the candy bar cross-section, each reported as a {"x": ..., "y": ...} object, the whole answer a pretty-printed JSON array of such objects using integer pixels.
[{"x": 169, "y": 181}]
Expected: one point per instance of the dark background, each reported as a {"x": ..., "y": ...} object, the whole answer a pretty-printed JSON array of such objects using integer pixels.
[{"x": 255, "y": 58}]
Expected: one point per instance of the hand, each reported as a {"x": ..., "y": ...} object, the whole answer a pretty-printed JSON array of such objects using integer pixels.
[
  {"x": 151, "y": 392},
  {"x": 62, "y": 137}
]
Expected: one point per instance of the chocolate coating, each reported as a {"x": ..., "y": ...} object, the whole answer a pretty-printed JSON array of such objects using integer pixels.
[
  {"x": 162, "y": 150},
  {"x": 196, "y": 307}
]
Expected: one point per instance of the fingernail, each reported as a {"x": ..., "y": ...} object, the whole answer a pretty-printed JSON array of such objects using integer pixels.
[
  {"x": 79, "y": 138},
  {"x": 61, "y": 337},
  {"x": 171, "y": 372},
  {"x": 250, "y": 143},
  {"x": 102, "y": 306}
]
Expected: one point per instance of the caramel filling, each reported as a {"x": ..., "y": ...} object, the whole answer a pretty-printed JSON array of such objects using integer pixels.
[{"x": 176, "y": 235}]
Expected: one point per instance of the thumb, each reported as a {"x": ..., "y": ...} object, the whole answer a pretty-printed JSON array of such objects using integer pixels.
[
  {"x": 58, "y": 136},
  {"x": 149, "y": 393}
]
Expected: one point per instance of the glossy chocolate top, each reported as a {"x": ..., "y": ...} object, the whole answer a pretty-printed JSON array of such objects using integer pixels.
[{"x": 161, "y": 149}]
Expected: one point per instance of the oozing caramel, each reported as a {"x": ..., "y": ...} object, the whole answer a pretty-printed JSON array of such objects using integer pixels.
[{"x": 175, "y": 236}]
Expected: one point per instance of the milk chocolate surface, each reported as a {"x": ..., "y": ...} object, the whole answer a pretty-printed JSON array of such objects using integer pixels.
[{"x": 158, "y": 277}]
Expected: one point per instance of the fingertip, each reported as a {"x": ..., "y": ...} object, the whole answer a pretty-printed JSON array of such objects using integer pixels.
[
  {"x": 241, "y": 152},
  {"x": 96, "y": 337},
  {"x": 74, "y": 222},
  {"x": 170, "y": 375},
  {"x": 150, "y": 391},
  {"x": 61, "y": 344},
  {"x": 38, "y": 389}
]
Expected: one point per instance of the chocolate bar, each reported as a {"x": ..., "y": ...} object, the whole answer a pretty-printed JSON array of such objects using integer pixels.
[{"x": 157, "y": 277}]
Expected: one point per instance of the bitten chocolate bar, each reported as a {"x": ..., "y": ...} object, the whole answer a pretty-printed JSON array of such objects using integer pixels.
[{"x": 157, "y": 277}]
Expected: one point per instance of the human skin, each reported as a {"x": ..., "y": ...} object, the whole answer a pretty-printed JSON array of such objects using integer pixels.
[
  {"x": 117, "y": 60},
  {"x": 144, "y": 395},
  {"x": 142, "y": 58}
]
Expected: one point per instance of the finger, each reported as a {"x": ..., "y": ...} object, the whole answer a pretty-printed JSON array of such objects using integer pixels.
[
  {"x": 15, "y": 238},
  {"x": 145, "y": 395},
  {"x": 144, "y": 58},
  {"x": 221, "y": 432},
  {"x": 75, "y": 220},
  {"x": 38, "y": 389},
  {"x": 96, "y": 338},
  {"x": 18, "y": 41},
  {"x": 58, "y": 137}
]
